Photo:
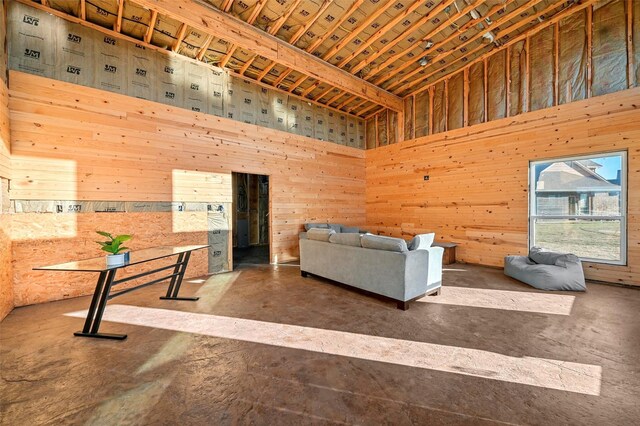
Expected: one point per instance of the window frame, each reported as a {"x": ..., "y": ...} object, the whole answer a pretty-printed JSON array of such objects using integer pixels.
[{"x": 623, "y": 203}]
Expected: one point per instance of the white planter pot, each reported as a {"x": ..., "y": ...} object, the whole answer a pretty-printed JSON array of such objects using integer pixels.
[{"x": 115, "y": 259}]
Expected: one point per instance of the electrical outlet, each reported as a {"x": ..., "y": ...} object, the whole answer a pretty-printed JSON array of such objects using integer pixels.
[{"x": 426, "y": 177}]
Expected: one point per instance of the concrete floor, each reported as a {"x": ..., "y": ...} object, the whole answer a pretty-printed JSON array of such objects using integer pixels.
[{"x": 160, "y": 376}]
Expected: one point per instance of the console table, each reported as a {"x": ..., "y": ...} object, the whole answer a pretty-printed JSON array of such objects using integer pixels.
[{"x": 106, "y": 280}]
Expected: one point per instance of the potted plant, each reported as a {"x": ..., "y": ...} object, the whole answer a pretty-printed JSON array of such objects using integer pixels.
[{"x": 114, "y": 247}]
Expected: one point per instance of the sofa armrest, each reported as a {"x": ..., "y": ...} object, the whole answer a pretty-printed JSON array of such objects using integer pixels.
[
  {"x": 423, "y": 271},
  {"x": 435, "y": 264}
]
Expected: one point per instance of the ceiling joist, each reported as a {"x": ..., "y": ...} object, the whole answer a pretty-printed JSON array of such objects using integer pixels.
[{"x": 219, "y": 24}]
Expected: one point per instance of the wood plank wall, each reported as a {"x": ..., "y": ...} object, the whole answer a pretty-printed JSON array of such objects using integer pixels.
[
  {"x": 477, "y": 194},
  {"x": 6, "y": 286},
  {"x": 71, "y": 142}
]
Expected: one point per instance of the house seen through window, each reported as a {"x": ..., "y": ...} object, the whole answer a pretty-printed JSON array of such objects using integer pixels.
[{"x": 578, "y": 205}]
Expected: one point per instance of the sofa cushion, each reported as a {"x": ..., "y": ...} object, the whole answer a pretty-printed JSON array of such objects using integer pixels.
[
  {"x": 320, "y": 234},
  {"x": 421, "y": 241},
  {"x": 308, "y": 226},
  {"x": 350, "y": 230},
  {"x": 336, "y": 227},
  {"x": 379, "y": 242},
  {"x": 543, "y": 256},
  {"x": 348, "y": 239}
]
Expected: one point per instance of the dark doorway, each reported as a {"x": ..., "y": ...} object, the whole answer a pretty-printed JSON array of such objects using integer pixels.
[{"x": 250, "y": 219}]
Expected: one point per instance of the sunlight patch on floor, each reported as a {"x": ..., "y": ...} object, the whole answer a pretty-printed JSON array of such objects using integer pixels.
[
  {"x": 546, "y": 373},
  {"x": 557, "y": 304}
]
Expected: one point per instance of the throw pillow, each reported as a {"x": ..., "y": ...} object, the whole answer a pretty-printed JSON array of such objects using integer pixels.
[
  {"x": 379, "y": 242},
  {"x": 421, "y": 241},
  {"x": 320, "y": 234},
  {"x": 346, "y": 239}
]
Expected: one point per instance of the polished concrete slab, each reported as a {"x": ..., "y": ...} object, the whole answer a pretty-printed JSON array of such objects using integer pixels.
[{"x": 265, "y": 346}]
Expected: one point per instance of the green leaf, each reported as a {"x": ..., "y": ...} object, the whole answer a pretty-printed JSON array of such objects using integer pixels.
[
  {"x": 122, "y": 238},
  {"x": 108, "y": 249},
  {"x": 105, "y": 234}
]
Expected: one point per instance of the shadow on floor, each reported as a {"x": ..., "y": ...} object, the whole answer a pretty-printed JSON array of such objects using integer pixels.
[{"x": 253, "y": 255}]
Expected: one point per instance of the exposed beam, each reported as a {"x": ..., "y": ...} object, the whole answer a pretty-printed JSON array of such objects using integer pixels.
[
  {"x": 205, "y": 46},
  {"x": 576, "y": 7},
  {"x": 293, "y": 39},
  {"x": 226, "y": 6},
  {"x": 503, "y": 19},
  {"x": 83, "y": 9},
  {"x": 475, "y": 37},
  {"x": 110, "y": 32},
  {"x": 347, "y": 101},
  {"x": 151, "y": 27},
  {"x": 313, "y": 46},
  {"x": 416, "y": 26},
  {"x": 219, "y": 24},
  {"x": 354, "y": 33},
  {"x": 358, "y": 105},
  {"x": 309, "y": 89},
  {"x": 336, "y": 97},
  {"x": 382, "y": 31},
  {"x": 257, "y": 9},
  {"x": 182, "y": 32},
  {"x": 323, "y": 94},
  {"x": 117, "y": 27},
  {"x": 273, "y": 30}
]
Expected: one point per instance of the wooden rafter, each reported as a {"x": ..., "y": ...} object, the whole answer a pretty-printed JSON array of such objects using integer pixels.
[
  {"x": 471, "y": 24},
  {"x": 382, "y": 31},
  {"x": 336, "y": 97},
  {"x": 182, "y": 32},
  {"x": 226, "y": 6},
  {"x": 83, "y": 9},
  {"x": 152, "y": 47},
  {"x": 576, "y": 7},
  {"x": 416, "y": 26},
  {"x": 205, "y": 46},
  {"x": 313, "y": 46},
  {"x": 506, "y": 18},
  {"x": 309, "y": 89},
  {"x": 217, "y": 23},
  {"x": 324, "y": 93},
  {"x": 117, "y": 27},
  {"x": 272, "y": 30},
  {"x": 358, "y": 105},
  {"x": 257, "y": 9},
  {"x": 151, "y": 27},
  {"x": 356, "y": 31},
  {"x": 293, "y": 39},
  {"x": 347, "y": 101}
]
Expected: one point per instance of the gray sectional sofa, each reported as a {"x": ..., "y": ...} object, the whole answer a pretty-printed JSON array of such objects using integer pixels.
[
  {"x": 338, "y": 228},
  {"x": 382, "y": 265}
]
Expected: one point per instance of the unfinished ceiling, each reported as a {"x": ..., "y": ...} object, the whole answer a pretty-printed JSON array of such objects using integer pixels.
[{"x": 397, "y": 45}]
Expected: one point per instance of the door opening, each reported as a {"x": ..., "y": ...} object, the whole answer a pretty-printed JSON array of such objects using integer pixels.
[{"x": 250, "y": 219}]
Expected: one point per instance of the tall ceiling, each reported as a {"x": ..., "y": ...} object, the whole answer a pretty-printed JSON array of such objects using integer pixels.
[{"x": 397, "y": 45}]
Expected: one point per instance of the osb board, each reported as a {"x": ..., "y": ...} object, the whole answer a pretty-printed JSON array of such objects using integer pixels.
[
  {"x": 41, "y": 239},
  {"x": 6, "y": 285},
  {"x": 73, "y": 143},
  {"x": 477, "y": 194}
]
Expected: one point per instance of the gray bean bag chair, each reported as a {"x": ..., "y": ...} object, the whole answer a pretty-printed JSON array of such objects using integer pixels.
[{"x": 547, "y": 270}]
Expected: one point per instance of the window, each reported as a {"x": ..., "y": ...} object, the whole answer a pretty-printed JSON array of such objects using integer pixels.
[{"x": 578, "y": 205}]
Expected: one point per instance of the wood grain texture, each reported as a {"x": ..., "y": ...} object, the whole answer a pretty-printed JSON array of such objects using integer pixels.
[
  {"x": 477, "y": 195},
  {"x": 72, "y": 142},
  {"x": 222, "y": 25},
  {"x": 6, "y": 267}
]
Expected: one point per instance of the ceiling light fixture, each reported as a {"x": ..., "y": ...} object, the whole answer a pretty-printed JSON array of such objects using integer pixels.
[
  {"x": 488, "y": 37},
  {"x": 428, "y": 44},
  {"x": 424, "y": 61}
]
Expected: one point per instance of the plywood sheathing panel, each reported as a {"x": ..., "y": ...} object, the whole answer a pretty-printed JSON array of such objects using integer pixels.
[
  {"x": 476, "y": 93},
  {"x": 572, "y": 58},
  {"x": 541, "y": 70},
  {"x": 609, "y": 47}
]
